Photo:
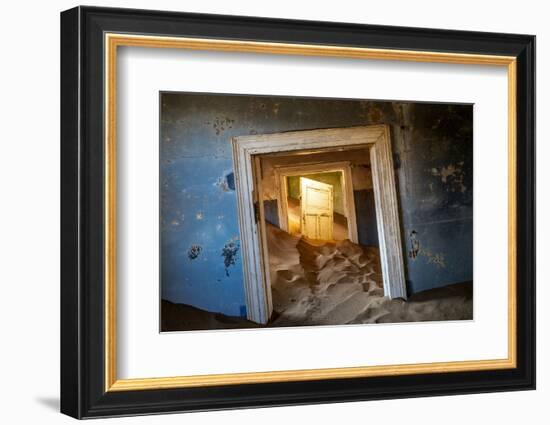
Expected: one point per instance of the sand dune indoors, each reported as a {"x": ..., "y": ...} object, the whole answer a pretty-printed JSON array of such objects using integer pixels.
[{"x": 317, "y": 283}]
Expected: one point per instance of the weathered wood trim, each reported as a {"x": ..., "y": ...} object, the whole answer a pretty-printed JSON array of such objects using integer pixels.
[
  {"x": 263, "y": 235},
  {"x": 256, "y": 289},
  {"x": 387, "y": 218},
  {"x": 253, "y": 241}
]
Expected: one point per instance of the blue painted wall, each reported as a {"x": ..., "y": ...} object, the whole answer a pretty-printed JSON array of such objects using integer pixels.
[
  {"x": 271, "y": 212},
  {"x": 200, "y": 247},
  {"x": 365, "y": 213}
]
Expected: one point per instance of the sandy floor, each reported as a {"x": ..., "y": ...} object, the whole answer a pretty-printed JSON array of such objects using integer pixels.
[
  {"x": 328, "y": 284},
  {"x": 183, "y": 317},
  {"x": 340, "y": 283}
]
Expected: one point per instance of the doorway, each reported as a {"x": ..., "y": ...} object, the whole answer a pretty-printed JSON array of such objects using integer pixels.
[
  {"x": 296, "y": 206},
  {"x": 316, "y": 202}
]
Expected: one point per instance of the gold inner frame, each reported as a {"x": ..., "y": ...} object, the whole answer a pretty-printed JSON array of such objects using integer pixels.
[{"x": 113, "y": 41}]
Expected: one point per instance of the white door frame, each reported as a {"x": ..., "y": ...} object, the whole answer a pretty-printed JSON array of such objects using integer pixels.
[
  {"x": 284, "y": 171},
  {"x": 251, "y": 211}
]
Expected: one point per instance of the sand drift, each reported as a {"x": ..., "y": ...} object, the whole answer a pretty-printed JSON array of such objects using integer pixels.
[{"x": 340, "y": 283}]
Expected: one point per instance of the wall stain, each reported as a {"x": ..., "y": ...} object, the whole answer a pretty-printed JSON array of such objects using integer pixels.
[
  {"x": 221, "y": 124},
  {"x": 194, "y": 251},
  {"x": 221, "y": 184},
  {"x": 229, "y": 254},
  {"x": 436, "y": 259},
  {"x": 415, "y": 245},
  {"x": 375, "y": 113},
  {"x": 226, "y": 183},
  {"x": 396, "y": 161},
  {"x": 452, "y": 176},
  {"x": 230, "y": 178}
]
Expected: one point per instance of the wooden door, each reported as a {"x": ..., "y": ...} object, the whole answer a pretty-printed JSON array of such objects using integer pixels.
[{"x": 316, "y": 209}]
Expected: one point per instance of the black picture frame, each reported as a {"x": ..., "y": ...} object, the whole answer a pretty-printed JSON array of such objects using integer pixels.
[{"x": 83, "y": 392}]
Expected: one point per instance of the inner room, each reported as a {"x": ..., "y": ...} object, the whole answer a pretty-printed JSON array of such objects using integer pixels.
[
  {"x": 321, "y": 233},
  {"x": 315, "y": 207}
]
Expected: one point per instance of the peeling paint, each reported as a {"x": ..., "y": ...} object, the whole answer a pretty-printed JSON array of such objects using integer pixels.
[
  {"x": 437, "y": 259},
  {"x": 199, "y": 216},
  {"x": 415, "y": 245},
  {"x": 452, "y": 176},
  {"x": 396, "y": 161},
  {"x": 229, "y": 253},
  {"x": 221, "y": 124},
  {"x": 415, "y": 251},
  {"x": 194, "y": 251},
  {"x": 230, "y": 179},
  {"x": 226, "y": 183},
  {"x": 221, "y": 184}
]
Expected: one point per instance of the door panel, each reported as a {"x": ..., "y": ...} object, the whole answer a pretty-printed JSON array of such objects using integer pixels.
[
  {"x": 310, "y": 226},
  {"x": 325, "y": 227},
  {"x": 316, "y": 209},
  {"x": 318, "y": 199}
]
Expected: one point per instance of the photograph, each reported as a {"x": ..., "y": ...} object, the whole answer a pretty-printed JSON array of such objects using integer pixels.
[{"x": 361, "y": 211}]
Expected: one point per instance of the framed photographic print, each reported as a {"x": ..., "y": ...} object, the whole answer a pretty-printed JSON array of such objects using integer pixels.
[{"x": 261, "y": 212}]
